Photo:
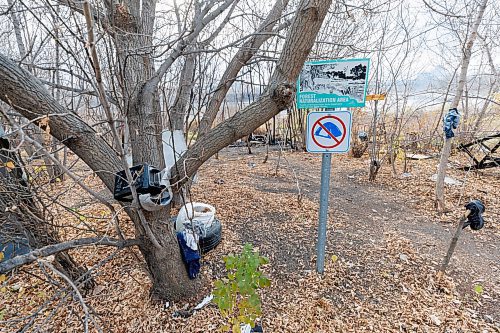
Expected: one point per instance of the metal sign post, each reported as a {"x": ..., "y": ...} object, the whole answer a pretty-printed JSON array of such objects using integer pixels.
[
  {"x": 326, "y": 165},
  {"x": 327, "y": 132},
  {"x": 339, "y": 83}
]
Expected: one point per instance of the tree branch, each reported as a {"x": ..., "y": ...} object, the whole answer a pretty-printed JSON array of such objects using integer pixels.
[
  {"x": 440, "y": 12},
  {"x": 241, "y": 58},
  {"x": 79, "y": 91},
  {"x": 278, "y": 95},
  {"x": 27, "y": 95},
  {"x": 155, "y": 80},
  {"x": 8, "y": 265}
]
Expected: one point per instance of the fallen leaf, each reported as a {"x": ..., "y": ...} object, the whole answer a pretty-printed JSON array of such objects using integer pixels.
[{"x": 435, "y": 320}]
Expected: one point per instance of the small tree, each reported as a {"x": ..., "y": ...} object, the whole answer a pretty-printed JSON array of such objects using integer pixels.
[
  {"x": 445, "y": 153},
  {"x": 236, "y": 295}
]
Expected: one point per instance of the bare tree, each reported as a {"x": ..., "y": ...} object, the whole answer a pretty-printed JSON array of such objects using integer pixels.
[
  {"x": 130, "y": 26},
  {"x": 24, "y": 222},
  {"x": 466, "y": 57}
]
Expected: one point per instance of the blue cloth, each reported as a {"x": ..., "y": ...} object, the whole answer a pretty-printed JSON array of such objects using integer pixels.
[
  {"x": 190, "y": 257},
  {"x": 15, "y": 246},
  {"x": 450, "y": 122}
]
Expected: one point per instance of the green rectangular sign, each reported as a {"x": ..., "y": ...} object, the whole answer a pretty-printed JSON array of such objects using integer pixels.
[{"x": 333, "y": 84}]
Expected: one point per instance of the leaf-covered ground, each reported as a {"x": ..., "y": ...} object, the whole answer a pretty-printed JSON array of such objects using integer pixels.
[{"x": 384, "y": 245}]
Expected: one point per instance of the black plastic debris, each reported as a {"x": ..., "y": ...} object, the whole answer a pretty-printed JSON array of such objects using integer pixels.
[
  {"x": 146, "y": 181},
  {"x": 363, "y": 136},
  {"x": 488, "y": 147},
  {"x": 475, "y": 219}
]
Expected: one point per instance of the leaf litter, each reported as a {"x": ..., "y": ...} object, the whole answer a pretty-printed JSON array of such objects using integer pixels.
[{"x": 381, "y": 241}]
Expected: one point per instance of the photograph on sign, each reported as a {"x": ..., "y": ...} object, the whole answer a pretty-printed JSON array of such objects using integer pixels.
[
  {"x": 328, "y": 132},
  {"x": 333, "y": 84}
]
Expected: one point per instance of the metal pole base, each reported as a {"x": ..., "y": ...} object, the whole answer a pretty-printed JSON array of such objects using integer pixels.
[{"x": 326, "y": 165}]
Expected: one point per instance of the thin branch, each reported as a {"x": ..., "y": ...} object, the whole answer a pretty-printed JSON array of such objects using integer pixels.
[
  {"x": 76, "y": 291},
  {"x": 440, "y": 12},
  {"x": 8, "y": 265},
  {"x": 78, "y": 90}
]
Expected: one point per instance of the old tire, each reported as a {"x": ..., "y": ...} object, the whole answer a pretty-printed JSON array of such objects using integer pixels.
[{"x": 213, "y": 237}]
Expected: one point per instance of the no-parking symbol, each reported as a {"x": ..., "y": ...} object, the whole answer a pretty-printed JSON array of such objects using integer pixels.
[{"x": 329, "y": 132}]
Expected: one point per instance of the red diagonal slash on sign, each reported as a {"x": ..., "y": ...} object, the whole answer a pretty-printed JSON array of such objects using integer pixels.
[
  {"x": 328, "y": 132},
  {"x": 336, "y": 142}
]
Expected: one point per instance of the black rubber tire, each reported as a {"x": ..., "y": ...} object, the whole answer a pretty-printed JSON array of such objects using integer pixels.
[{"x": 213, "y": 237}]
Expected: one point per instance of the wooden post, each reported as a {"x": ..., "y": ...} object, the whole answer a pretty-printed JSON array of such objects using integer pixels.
[{"x": 454, "y": 241}]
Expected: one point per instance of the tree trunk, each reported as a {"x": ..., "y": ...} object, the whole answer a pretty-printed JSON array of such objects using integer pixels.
[
  {"x": 168, "y": 273},
  {"x": 445, "y": 153},
  {"x": 244, "y": 54},
  {"x": 21, "y": 217},
  {"x": 169, "y": 276}
]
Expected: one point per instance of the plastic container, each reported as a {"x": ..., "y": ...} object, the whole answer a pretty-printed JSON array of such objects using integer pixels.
[
  {"x": 199, "y": 213},
  {"x": 147, "y": 180}
]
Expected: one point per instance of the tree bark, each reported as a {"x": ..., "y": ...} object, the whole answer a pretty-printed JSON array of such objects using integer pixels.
[
  {"x": 135, "y": 25},
  {"x": 277, "y": 97},
  {"x": 177, "y": 114},
  {"x": 244, "y": 54},
  {"x": 445, "y": 153}
]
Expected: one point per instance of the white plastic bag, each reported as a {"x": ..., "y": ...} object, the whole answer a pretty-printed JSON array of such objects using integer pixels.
[
  {"x": 157, "y": 202},
  {"x": 201, "y": 214},
  {"x": 174, "y": 146}
]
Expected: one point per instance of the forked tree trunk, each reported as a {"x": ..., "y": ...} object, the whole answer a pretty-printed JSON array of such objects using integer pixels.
[
  {"x": 27, "y": 95},
  {"x": 240, "y": 59},
  {"x": 168, "y": 273}
]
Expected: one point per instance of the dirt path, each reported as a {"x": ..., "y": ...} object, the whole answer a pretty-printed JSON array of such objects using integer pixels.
[{"x": 361, "y": 216}]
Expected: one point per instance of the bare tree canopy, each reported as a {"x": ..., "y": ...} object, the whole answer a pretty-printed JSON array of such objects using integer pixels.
[{"x": 91, "y": 88}]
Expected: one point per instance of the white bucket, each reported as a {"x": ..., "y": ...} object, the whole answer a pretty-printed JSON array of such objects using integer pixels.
[{"x": 197, "y": 212}]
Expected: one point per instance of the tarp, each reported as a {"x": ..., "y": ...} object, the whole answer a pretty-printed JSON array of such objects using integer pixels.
[{"x": 174, "y": 145}]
